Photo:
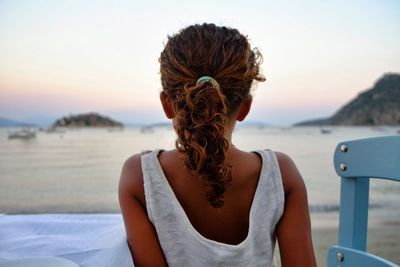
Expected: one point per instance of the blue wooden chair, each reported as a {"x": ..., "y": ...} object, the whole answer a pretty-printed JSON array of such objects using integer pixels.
[{"x": 356, "y": 162}]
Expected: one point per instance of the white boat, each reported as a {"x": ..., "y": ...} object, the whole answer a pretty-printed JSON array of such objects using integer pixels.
[
  {"x": 55, "y": 130},
  {"x": 22, "y": 134},
  {"x": 115, "y": 129},
  {"x": 326, "y": 131},
  {"x": 146, "y": 129}
]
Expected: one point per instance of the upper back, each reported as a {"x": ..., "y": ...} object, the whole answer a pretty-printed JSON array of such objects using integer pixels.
[
  {"x": 191, "y": 231},
  {"x": 229, "y": 224}
]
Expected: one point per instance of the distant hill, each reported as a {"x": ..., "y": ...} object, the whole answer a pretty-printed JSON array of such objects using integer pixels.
[
  {"x": 4, "y": 122},
  {"x": 379, "y": 105},
  {"x": 86, "y": 120}
]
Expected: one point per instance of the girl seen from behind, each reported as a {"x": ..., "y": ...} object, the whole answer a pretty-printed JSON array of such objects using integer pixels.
[{"x": 208, "y": 203}]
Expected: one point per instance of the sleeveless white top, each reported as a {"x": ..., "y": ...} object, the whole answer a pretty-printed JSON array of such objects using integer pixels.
[{"x": 183, "y": 245}]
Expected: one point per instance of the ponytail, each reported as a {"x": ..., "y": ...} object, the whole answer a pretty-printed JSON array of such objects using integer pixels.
[
  {"x": 202, "y": 110},
  {"x": 201, "y": 120}
]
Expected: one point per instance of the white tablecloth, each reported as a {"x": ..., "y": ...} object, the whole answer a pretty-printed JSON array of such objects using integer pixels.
[{"x": 87, "y": 239}]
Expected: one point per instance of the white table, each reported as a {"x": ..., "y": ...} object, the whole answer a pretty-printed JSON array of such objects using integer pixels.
[{"x": 86, "y": 239}]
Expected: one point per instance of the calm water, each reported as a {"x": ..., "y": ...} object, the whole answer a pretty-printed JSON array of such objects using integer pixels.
[{"x": 78, "y": 171}]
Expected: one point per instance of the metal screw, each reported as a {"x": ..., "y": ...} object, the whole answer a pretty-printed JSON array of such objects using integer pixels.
[
  {"x": 340, "y": 256},
  {"x": 343, "y": 167},
  {"x": 344, "y": 148}
]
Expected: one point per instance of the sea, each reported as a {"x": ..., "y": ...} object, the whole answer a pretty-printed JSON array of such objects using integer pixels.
[{"x": 77, "y": 170}]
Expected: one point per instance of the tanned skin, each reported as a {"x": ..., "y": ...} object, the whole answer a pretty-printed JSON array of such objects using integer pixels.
[{"x": 230, "y": 223}]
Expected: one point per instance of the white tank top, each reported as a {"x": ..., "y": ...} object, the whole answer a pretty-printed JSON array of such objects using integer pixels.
[{"x": 183, "y": 245}]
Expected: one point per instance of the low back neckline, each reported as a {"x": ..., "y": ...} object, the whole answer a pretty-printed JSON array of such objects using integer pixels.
[{"x": 185, "y": 218}]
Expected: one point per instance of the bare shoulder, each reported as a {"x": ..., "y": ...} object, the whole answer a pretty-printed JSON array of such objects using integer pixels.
[
  {"x": 131, "y": 180},
  {"x": 291, "y": 176},
  {"x": 294, "y": 227},
  {"x": 141, "y": 234}
]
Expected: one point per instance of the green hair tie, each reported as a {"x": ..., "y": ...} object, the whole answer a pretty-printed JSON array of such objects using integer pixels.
[{"x": 208, "y": 79}]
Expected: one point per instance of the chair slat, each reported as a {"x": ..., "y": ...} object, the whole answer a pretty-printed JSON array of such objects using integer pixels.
[
  {"x": 347, "y": 257},
  {"x": 377, "y": 157}
]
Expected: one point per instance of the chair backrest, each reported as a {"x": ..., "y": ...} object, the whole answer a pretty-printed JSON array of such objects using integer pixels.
[{"x": 356, "y": 162}]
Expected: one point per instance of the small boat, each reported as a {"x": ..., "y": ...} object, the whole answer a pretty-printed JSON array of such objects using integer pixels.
[
  {"x": 326, "y": 131},
  {"x": 379, "y": 129},
  {"x": 146, "y": 129},
  {"x": 22, "y": 134},
  {"x": 115, "y": 129},
  {"x": 55, "y": 130}
]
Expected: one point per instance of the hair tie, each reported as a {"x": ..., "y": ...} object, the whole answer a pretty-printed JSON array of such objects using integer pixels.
[{"x": 204, "y": 79}]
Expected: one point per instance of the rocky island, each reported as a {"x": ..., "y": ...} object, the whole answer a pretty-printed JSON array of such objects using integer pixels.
[
  {"x": 86, "y": 120},
  {"x": 377, "y": 106}
]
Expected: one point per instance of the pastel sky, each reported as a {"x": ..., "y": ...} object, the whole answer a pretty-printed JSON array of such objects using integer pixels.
[{"x": 62, "y": 57}]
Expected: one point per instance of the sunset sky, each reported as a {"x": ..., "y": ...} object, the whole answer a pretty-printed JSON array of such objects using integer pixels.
[{"x": 67, "y": 57}]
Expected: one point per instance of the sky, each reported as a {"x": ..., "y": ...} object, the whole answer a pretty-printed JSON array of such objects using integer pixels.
[{"x": 68, "y": 57}]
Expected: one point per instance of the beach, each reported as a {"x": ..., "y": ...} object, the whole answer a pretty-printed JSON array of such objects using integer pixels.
[
  {"x": 77, "y": 171},
  {"x": 383, "y": 237}
]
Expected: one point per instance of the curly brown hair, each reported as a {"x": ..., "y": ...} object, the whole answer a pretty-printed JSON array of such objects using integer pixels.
[{"x": 203, "y": 110}]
